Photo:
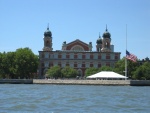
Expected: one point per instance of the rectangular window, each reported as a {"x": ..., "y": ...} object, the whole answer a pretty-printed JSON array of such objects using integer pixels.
[
  {"x": 95, "y": 56},
  {"x": 71, "y": 56},
  {"x": 46, "y": 55},
  {"x": 103, "y": 56},
  {"x": 59, "y": 56},
  {"x": 116, "y": 57},
  {"x": 75, "y": 56},
  {"x": 87, "y": 65},
  {"x": 51, "y": 55},
  {"x": 71, "y": 65},
  {"x": 67, "y": 56},
  {"x": 112, "y": 56},
  {"x": 83, "y": 65},
  {"x": 46, "y": 64},
  {"x": 55, "y": 55},
  {"x": 99, "y": 65},
  {"x": 83, "y": 56},
  {"x": 63, "y": 64},
  {"x": 75, "y": 65},
  {"x": 107, "y": 57},
  {"x": 55, "y": 63},
  {"x": 64, "y": 55},
  {"x": 79, "y": 65},
  {"x": 79, "y": 56},
  {"x": 99, "y": 56},
  {"x": 91, "y": 65},
  {"x": 87, "y": 56},
  {"x": 95, "y": 65},
  {"x": 91, "y": 56}
]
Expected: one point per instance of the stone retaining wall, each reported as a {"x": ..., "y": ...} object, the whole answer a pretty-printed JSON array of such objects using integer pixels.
[
  {"x": 16, "y": 81},
  {"x": 82, "y": 82},
  {"x": 78, "y": 82},
  {"x": 94, "y": 82}
]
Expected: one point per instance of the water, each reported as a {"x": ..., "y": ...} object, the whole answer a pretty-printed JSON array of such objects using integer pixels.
[{"x": 38, "y": 98}]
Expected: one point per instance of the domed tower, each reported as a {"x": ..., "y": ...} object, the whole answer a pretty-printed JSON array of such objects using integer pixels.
[
  {"x": 47, "y": 40},
  {"x": 106, "y": 41},
  {"x": 99, "y": 44}
]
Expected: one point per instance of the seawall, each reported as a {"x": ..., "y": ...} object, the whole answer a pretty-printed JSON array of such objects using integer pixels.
[
  {"x": 77, "y": 82},
  {"x": 16, "y": 81},
  {"x": 94, "y": 82}
]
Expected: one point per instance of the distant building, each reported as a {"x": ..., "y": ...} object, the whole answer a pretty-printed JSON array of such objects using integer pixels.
[
  {"x": 143, "y": 61},
  {"x": 77, "y": 54}
]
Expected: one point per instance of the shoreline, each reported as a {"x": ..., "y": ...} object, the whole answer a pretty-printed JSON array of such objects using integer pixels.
[{"x": 77, "y": 82}]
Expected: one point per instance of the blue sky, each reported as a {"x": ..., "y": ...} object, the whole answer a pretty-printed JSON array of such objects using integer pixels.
[{"x": 23, "y": 22}]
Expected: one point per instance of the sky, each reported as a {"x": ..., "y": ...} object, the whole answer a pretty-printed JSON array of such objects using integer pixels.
[{"x": 23, "y": 22}]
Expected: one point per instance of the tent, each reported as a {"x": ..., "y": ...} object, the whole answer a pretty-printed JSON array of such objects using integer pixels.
[{"x": 107, "y": 75}]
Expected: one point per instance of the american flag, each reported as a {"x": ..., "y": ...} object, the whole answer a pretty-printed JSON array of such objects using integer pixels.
[{"x": 130, "y": 56}]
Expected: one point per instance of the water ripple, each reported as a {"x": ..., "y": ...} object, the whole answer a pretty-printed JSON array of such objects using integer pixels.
[{"x": 73, "y": 98}]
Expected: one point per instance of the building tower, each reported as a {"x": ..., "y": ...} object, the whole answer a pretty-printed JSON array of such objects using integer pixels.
[
  {"x": 47, "y": 40},
  {"x": 90, "y": 46},
  {"x": 99, "y": 44},
  {"x": 106, "y": 41}
]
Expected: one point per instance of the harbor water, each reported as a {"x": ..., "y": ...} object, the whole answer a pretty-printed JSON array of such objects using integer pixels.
[{"x": 37, "y": 98}]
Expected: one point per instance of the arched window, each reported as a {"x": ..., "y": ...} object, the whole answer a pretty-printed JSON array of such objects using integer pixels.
[{"x": 77, "y": 48}]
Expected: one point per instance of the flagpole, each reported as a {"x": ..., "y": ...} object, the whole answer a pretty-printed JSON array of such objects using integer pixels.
[{"x": 125, "y": 57}]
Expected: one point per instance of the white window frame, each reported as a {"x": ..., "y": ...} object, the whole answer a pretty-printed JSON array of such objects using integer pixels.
[
  {"x": 87, "y": 55},
  {"x": 95, "y": 56},
  {"x": 71, "y": 55},
  {"x": 46, "y": 64},
  {"x": 46, "y": 55},
  {"x": 55, "y": 55},
  {"x": 95, "y": 64},
  {"x": 79, "y": 55},
  {"x": 87, "y": 64},
  {"x": 55, "y": 63},
  {"x": 63, "y": 55}
]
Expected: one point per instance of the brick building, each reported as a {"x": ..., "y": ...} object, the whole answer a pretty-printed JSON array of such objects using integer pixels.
[{"x": 77, "y": 54}]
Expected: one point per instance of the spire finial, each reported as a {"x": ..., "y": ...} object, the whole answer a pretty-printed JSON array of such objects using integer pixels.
[
  {"x": 48, "y": 26},
  {"x": 106, "y": 28},
  {"x": 99, "y": 35}
]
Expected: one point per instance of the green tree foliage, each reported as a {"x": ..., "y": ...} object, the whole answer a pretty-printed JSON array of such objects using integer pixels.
[
  {"x": 9, "y": 64},
  {"x": 19, "y": 64},
  {"x": 120, "y": 67},
  {"x": 106, "y": 68},
  {"x": 69, "y": 72},
  {"x": 26, "y": 62},
  {"x": 142, "y": 72},
  {"x": 91, "y": 71},
  {"x": 54, "y": 72},
  {"x": 2, "y": 75}
]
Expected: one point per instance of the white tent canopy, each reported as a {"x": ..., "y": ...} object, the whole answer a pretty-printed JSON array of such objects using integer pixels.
[{"x": 107, "y": 75}]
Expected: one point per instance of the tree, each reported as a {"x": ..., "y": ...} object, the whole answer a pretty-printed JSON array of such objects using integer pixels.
[
  {"x": 7, "y": 65},
  {"x": 69, "y": 72},
  {"x": 21, "y": 63},
  {"x": 106, "y": 68},
  {"x": 120, "y": 67},
  {"x": 142, "y": 72},
  {"x": 26, "y": 63},
  {"x": 1, "y": 66},
  {"x": 54, "y": 72},
  {"x": 91, "y": 71}
]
